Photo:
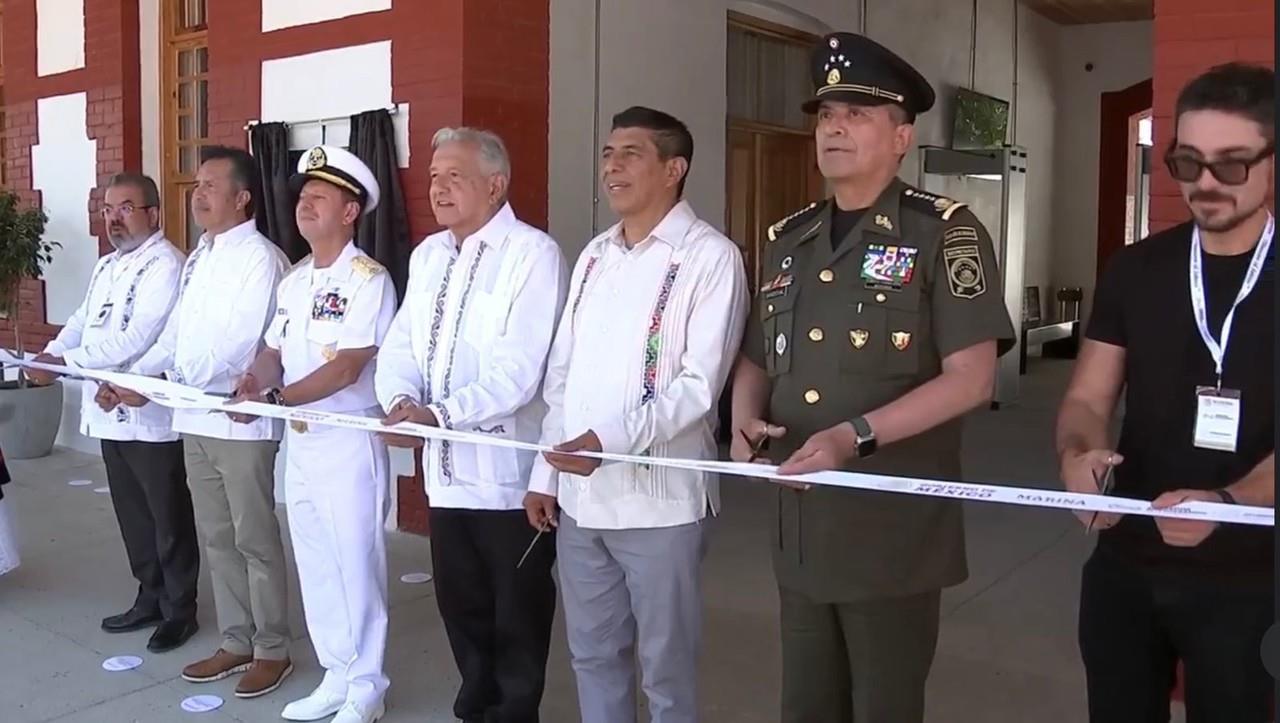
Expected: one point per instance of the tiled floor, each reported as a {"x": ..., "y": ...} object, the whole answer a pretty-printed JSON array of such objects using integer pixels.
[{"x": 1007, "y": 652}]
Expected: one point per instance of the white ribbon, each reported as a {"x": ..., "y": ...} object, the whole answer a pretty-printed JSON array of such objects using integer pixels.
[
  {"x": 1218, "y": 347},
  {"x": 178, "y": 396}
]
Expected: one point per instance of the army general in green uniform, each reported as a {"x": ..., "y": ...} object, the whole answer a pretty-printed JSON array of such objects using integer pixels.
[{"x": 877, "y": 328}]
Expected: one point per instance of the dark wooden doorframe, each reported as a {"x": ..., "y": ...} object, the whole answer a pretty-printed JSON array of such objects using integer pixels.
[{"x": 1113, "y": 164}]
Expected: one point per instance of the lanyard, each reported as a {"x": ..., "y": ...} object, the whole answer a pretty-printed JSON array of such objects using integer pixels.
[{"x": 1218, "y": 347}]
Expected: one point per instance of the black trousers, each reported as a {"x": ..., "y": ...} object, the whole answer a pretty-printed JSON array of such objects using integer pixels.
[
  {"x": 498, "y": 618},
  {"x": 1135, "y": 627},
  {"x": 148, "y": 482}
]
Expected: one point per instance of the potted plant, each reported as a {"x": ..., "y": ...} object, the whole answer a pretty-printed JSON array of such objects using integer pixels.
[{"x": 29, "y": 415}]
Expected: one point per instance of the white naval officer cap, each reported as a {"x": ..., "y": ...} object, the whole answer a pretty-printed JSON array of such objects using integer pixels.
[{"x": 341, "y": 168}]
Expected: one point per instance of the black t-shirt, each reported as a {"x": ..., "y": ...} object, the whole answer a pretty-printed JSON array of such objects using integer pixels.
[
  {"x": 1143, "y": 303},
  {"x": 842, "y": 222}
]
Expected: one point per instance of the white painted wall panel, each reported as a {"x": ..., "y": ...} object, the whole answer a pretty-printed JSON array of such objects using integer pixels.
[
  {"x": 63, "y": 169},
  {"x": 277, "y": 14},
  {"x": 149, "y": 47},
  {"x": 59, "y": 36},
  {"x": 332, "y": 84}
]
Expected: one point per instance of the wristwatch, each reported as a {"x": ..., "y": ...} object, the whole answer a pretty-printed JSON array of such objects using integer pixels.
[
  {"x": 866, "y": 439},
  {"x": 273, "y": 395}
]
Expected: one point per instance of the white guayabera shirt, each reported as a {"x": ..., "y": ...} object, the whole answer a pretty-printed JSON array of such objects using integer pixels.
[
  {"x": 124, "y": 309},
  {"x": 470, "y": 342},
  {"x": 641, "y": 355}
]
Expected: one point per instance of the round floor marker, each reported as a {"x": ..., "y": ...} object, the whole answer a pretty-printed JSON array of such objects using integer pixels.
[
  {"x": 80, "y": 482},
  {"x": 121, "y": 663},
  {"x": 201, "y": 703},
  {"x": 415, "y": 578},
  {"x": 102, "y": 490}
]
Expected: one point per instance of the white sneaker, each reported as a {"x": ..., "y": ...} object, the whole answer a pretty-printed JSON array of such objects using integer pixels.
[
  {"x": 354, "y": 712},
  {"x": 320, "y": 704}
]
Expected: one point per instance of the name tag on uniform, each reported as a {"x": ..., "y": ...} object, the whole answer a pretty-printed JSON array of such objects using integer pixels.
[
  {"x": 889, "y": 267},
  {"x": 104, "y": 314},
  {"x": 328, "y": 306},
  {"x": 1217, "y": 418}
]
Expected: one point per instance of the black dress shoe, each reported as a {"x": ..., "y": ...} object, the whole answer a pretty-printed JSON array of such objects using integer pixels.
[
  {"x": 172, "y": 634},
  {"x": 134, "y": 619}
]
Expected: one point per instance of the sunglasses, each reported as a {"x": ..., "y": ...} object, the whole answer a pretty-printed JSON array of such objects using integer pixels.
[{"x": 1229, "y": 171}]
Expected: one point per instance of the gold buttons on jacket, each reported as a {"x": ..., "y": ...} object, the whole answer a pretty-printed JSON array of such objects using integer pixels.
[
  {"x": 881, "y": 298},
  {"x": 812, "y": 396},
  {"x": 826, "y": 276},
  {"x": 769, "y": 309},
  {"x": 815, "y": 334}
]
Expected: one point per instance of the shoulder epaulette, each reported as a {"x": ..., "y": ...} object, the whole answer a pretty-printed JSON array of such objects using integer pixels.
[
  {"x": 794, "y": 219},
  {"x": 367, "y": 267},
  {"x": 940, "y": 206}
]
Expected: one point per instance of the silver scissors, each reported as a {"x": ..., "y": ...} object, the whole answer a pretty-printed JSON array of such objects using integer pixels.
[
  {"x": 529, "y": 549},
  {"x": 1105, "y": 485}
]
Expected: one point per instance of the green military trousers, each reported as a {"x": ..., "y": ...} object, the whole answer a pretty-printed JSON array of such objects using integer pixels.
[{"x": 857, "y": 662}]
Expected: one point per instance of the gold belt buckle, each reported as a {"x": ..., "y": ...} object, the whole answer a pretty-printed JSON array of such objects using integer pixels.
[{"x": 298, "y": 426}]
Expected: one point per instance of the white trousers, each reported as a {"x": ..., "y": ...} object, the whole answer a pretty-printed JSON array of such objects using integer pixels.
[
  {"x": 9, "y": 559},
  {"x": 336, "y": 490}
]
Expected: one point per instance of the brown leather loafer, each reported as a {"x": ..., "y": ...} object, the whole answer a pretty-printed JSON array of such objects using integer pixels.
[
  {"x": 217, "y": 667},
  {"x": 263, "y": 677}
]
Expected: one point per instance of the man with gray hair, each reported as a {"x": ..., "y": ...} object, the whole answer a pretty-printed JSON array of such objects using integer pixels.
[
  {"x": 467, "y": 352},
  {"x": 130, "y": 296}
]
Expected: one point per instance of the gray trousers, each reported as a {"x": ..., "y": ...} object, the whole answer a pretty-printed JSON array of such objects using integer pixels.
[
  {"x": 858, "y": 662},
  {"x": 629, "y": 593},
  {"x": 232, "y": 490}
]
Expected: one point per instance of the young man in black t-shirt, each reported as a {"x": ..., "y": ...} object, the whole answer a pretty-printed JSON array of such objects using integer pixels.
[{"x": 1184, "y": 321}]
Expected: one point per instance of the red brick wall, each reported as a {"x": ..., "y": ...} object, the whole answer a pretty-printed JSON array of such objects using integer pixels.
[
  {"x": 1190, "y": 37},
  {"x": 111, "y": 79}
]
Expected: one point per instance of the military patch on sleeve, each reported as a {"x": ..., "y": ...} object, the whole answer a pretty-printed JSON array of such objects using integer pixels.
[
  {"x": 964, "y": 271},
  {"x": 959, "y": 233}
]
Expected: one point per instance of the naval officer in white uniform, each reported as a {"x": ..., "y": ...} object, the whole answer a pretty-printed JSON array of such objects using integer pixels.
[{"x": 333, "y": 311}]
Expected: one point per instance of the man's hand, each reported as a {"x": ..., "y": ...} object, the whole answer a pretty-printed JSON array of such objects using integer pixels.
[
  {"x": 581, "y": 466},
  {"x": 749, "y": 437},
  {"x": 829, "y": 449},
  {"x": 247, "y": 390},
  {"x": 106, "y": 398},
  {"x": 130, "y": 397},
  {"x": 1184, "y": 533},
  {"x": 541, "y": 509},
  {"x": 1079, "y": 472},
  {"x": 40, "y": 377},
  {"x": 408, "y": 411}
]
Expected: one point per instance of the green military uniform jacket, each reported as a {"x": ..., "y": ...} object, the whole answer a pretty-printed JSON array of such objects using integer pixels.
[{"x": 842, "y": 332}]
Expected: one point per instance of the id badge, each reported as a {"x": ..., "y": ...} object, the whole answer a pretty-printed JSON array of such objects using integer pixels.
[
  {"x": 1217, "y": 418},
  {"x": 104, "y": 314}
]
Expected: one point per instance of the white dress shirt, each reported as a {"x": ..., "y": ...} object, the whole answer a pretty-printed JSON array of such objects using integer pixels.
[
  {"x": 226, "y": 298},
  {"x": 129, "y": 298},
  {"x": 640, "y": 357},
  {"x": 471, "y": 343},
  {"x": 320, "y": 312}
]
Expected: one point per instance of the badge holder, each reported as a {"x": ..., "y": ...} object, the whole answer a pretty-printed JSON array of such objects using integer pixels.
[{"x": 1217, "y": 418}]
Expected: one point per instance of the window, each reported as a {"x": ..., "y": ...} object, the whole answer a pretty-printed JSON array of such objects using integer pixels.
[
  {"x": 771, "y": 164},
  {"x": 185, "y": 110}
]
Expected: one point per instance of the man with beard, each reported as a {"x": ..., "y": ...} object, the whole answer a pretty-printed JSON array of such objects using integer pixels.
[
  {"x": 1183, "y": 324},
  {"x": 130, "y": 295},
  {"x": 878, "y": 332}
]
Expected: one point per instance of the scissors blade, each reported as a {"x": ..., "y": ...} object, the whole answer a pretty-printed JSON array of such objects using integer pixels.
[
  {"x": 755, "y": 446},
  {"x": 1104, "y": 486},
  {"x": 529, "y": 549}
]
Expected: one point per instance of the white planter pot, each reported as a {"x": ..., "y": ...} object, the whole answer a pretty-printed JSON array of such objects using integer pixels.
[{"x": 29, "y": 420}]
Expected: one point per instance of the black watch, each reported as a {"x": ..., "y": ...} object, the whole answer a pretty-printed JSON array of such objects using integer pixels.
[
  {"x": 273, "y": 395},
  {"x": 866, "y": 439}
]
